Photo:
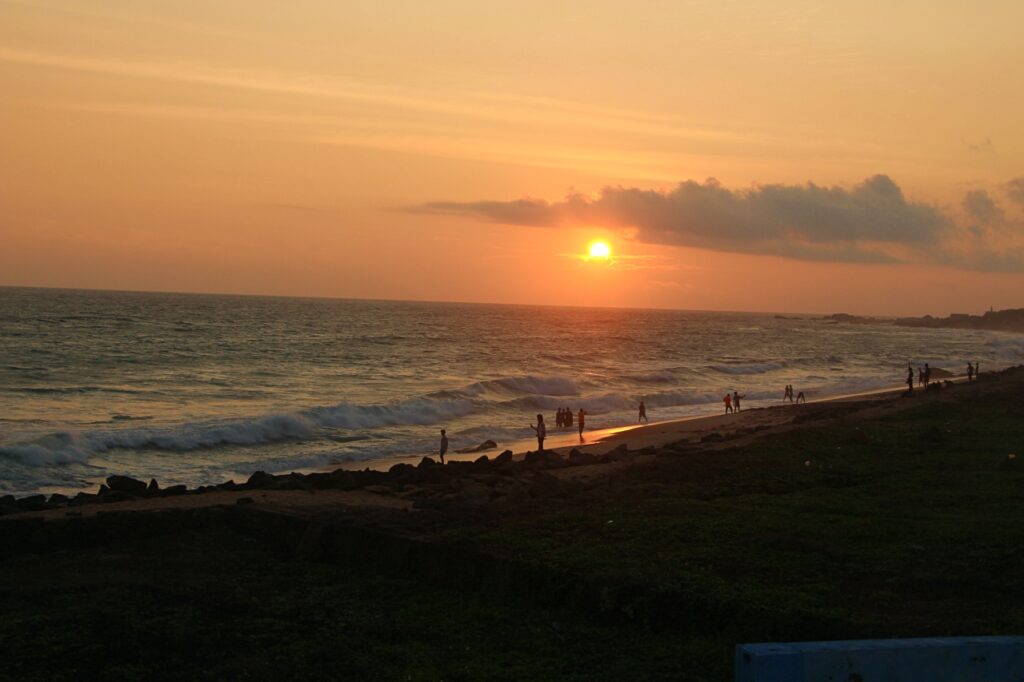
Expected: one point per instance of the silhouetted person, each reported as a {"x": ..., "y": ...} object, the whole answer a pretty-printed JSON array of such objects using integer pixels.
[
  {"x": 977, "y": 371},
  {"x": 788, "y": 393},
  {"x": 920, "y": 376},
  {"x": 579, "y": 420},
  {"x": 800, "y": 398},
  {"x": 642, "y": 417},
  {"x": 910, "y": 379},
  {"x": 568, "y": 417},
  {"x": 728, "y": 403},
  {"x": 559, "y": 418},
  {"x": 927, "y": 374},
  {"x": 970, "y": 372},
  {"x": 736, "y": 401},
  {"x": 444, "y": 445},
  {"x": 541, "y": 432}
]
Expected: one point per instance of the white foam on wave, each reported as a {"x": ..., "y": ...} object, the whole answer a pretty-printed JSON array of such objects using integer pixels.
[{"x": 749, "y": 368}]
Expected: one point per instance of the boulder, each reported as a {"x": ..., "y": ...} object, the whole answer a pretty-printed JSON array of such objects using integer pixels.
[
  {"x": 58, "y": 500},
  {"x": 117, "y": 496},
  {"x": 426, "y": 462},
  {"x": 32, "y": 503},
  {"x": 228, "y": 485},
  {"x": 482, "y": 461},
  {"x": 8, "y": 504},
  {"x": 504, "y": 457},
  {"x": 153, "y": 488},
  {"x": 82, "y": 498},
  {"x": 402, "y": 469},
  {"x": 545, "y": 486},
  {"x": 174, "y": 490},
  {"x": 618, "y": 453},
  {"x": 259, "y": 479},
  {"x": 126, "y": 484},
  {"x": 580, "y": 458},
  {"x": 486, "y": 445}
]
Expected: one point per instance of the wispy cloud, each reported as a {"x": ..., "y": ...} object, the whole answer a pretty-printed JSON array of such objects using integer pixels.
[{"x": 871, "y": 222}]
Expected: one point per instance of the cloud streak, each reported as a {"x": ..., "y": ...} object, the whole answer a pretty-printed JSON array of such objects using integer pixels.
[{"x": 871, "y": 222}]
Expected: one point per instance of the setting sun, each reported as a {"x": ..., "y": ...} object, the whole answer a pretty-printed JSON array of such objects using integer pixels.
[{"x": 599, "y": 250}]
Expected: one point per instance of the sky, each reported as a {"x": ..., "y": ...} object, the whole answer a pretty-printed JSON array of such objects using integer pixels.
[{"x": 791, "y": 156}]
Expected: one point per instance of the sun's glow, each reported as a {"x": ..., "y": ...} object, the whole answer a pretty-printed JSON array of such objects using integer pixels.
[{"x": 599, "y": 250}]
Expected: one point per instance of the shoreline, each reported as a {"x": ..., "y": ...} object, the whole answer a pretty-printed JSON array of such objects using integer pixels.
[{"x": 653, "y": 434}]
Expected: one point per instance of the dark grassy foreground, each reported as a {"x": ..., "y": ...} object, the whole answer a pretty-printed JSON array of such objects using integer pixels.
[{"x": 906, "y": 523}]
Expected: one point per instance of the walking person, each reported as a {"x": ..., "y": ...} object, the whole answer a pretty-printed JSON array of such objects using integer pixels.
[
  {"x": 910, "y": 379},
  {"x": 541, "y": 432},
  {"x": 579, "y": 419},
  {"x": 642, "y": 417},
  {"x": 728, "y": 403},
  {"x": 927, "y": 375},
  {"x": 444, "y": 445},
  {"x": 736, "y": 401},
  {"x": 970, "y": 372}
]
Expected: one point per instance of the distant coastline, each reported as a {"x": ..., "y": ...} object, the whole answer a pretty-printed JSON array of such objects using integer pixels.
[{"x": 1009, "y": 320}]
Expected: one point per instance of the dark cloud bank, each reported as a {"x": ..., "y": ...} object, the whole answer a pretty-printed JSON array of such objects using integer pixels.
[{"x": 872, "y": 222}]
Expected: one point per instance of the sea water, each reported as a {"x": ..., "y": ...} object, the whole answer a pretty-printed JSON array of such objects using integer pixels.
[{"x": 198, "y": 389}]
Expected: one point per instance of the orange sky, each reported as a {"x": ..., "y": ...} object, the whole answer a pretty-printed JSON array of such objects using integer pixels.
[{"x": 304, "y": 148}]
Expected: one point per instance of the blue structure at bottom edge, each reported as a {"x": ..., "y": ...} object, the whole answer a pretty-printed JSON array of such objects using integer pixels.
[{"x": 932, "y": 659}]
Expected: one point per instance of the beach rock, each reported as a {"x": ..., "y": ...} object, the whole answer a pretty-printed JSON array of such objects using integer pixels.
[
  {"x": 58, "y": 500},
  {"x": 426, "y": 462},
  {"x": 228, "y": 485},
  {"x": 486, "y": 445},
  {"x": 174, "y": 490},
  {"x": 117, "y": 496},
  {"x": 402, "y": 469},
  {"x": 580, "y": 458},
  {"x": 32, "y": 503},
  {"x": 8, "y": 504},
  {"x": 103, "y": 490},
  {"x": 474, "y": 494},
  {"x": 712, "y": 438},
  {"x": 259, "y": 479},
  {"x": 482, "y": 461},
  {"x": 153, "y": 488},
  {"x": 342, "y": 479},
  {"x": 546, "y": 486},
  {"x": 618, "y": 453},
  {"x": 504, "y": 458},
  {"x": 126, "y": 484},
  {"x": 82, "y": 498}
]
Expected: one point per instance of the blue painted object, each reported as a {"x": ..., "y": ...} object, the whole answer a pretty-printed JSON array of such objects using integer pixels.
[{"x": 932, "y": 659}]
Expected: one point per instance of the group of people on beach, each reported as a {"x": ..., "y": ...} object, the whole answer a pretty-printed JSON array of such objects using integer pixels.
[
  {"x": 787, "y": 394},
  {"x": 732, "y": 402},
  {"x": 924, "y": 375},
  {"x": 564, "y": 417}
]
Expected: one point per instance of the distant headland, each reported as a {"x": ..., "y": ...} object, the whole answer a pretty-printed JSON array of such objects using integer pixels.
[{"x": 1010, "y": 320}]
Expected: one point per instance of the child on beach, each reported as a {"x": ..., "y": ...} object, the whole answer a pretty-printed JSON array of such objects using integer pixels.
[
  {"x": 910, "y": 379},
  {"x": 579, "y": 418},
  {"x": 541, "y": 432},
  {"x": 643, "y": 413},
  {"x": 728, "y": 403}
]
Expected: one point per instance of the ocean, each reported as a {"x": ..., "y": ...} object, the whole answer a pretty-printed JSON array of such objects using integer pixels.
[{"x": 199, "y": 389}]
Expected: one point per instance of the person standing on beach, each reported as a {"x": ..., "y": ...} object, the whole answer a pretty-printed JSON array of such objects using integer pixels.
[
  {"x": 568, "y": 417},
  {"x": 444, "y": 445},
  {"x": 579, "y": 419},
  {"x": 642, "y": 417},
  {"x": 728, "y": 403},
  {"x": 541, "y": 432},
  {"x": 910, "y": 379},
  {"x": 970, "y": 372},
  {"x": 927, "y": 375},
  {"x": 736, "y": 401},
  {"x": 800, "y": 398},
  {"x": 788, "y": 393}
]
